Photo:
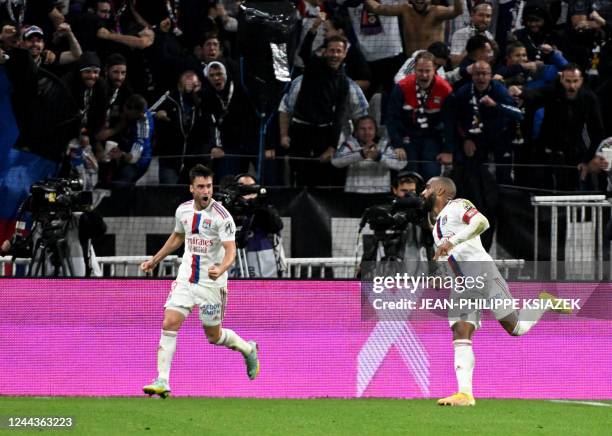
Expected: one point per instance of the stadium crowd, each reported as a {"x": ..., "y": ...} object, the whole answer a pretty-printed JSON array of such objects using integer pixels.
[{"x": 509, "y": 92}]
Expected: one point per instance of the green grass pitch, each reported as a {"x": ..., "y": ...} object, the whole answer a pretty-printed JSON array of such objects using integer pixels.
[{"x": 320, "y": 417}]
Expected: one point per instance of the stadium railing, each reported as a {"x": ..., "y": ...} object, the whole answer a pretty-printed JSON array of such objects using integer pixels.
[
  {"x": 584, "y": 233},
  {"x": 297, "y": 267}
]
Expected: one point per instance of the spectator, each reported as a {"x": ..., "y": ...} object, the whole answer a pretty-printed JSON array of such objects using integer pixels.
[
  {"x": 478, "y": 48},
  {"x": 369, "y": 159},
  {"x": 119, "y": 90},
  {"x": 582, "y": 41},
  {"x": 22, "y": 12},
  {"x": 538, "y": 30},
  {"x": 33, "y": 41},
  {"x": 166, "y": 57},
  {"x": 380, "y": 42},
  {"x": 441, "y": 60},
  {"x": 480, "y": 19},
  {"x": 569, "y": 107},
  {"x": 100, "y": 31},
  {"x": 133, "y": 134},
  {"x": 519, "y": 71},
  {"x": 229, "y": 107},
  {"x": 482, "y": 118},
  {"x": 415, "y": 119},
  {"x": 37, "y": 120},
  {"x": 312, "y": 13},
  {"x": 86, "y": 25},
  {"x": 89, "y": 92},
  {"x": 182, "y": 129},
  {"x": 356, "y": 66},
  {"x": 316, "y": 109},
  {"x": 422, "y": 22},
  {"x": 209, "y": 50}
]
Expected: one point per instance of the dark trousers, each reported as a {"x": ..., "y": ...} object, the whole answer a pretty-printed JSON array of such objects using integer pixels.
[{"x": 307, "y": 144}]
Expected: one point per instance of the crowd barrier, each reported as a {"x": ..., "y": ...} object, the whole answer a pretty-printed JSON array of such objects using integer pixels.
[{"x": 301, "y": 267}]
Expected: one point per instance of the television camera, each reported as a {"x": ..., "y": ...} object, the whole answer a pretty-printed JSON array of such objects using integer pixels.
[{"x": 51, "y": 203}]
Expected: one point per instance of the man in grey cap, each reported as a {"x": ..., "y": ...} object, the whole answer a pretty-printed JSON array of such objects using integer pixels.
[{"x": 34, "y": 42}]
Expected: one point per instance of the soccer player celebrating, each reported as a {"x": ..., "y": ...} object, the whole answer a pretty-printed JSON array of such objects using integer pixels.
[
  {"x": 456, "y": 232},
  {"x": 208, "y": 231}
]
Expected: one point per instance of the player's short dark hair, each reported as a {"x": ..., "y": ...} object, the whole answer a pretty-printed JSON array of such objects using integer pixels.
[
  {"x": 477, "y": 42},
  {"x": 199, "y": 171},
  {"x": 513, "y": 46},
  {"x": 447, "y": 184}
]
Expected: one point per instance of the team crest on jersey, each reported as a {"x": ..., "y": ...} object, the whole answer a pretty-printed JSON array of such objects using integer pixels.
[
  {"x": 207, "y": 223},
  {"x": 443, "y": 220}
]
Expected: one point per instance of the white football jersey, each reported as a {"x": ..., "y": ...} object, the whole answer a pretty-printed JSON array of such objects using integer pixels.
[
  {"x": 455, "y": 216},
  {"x": 205, "y": 231}
]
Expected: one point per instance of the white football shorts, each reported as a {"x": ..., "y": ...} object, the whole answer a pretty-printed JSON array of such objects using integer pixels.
[
  {"x": 211, "y": 301},
  {"x": 495, "y": 295}
]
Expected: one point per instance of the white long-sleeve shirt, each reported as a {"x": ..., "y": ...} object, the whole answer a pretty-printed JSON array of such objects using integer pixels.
[{"x": 366, "y": 176}]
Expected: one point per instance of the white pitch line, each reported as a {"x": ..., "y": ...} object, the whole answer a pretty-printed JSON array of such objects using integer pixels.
[{"x": 586, "y": 403}]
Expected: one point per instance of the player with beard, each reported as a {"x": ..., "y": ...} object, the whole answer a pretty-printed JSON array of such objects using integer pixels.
[
  {"x": 208, "y": 231},
  {"x": 457, "y": 226},
  {"x": 422, "y": 22}
]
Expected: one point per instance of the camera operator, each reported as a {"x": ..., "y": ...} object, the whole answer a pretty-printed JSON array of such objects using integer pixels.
[
  {"x": 398, "y": 226},
  {"x": 258, "y": 240},
  {"x": 55, "y": 226}
]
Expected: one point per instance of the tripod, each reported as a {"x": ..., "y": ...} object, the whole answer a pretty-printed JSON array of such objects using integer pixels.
[
  {"x": 243, "y": 264},
  {"x": 52, "y": 243}
]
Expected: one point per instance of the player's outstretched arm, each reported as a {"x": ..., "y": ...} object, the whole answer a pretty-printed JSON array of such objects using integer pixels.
[{"x": 172, "y": 244}]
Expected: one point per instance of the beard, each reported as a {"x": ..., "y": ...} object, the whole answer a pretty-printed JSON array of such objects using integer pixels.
[{"x": 429, "y": 203}]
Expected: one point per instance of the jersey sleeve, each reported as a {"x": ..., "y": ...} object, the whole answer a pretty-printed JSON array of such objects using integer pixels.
[
  {"x": 227, "y": 230},
  {"x": 178, "y": 226},
  {"x": 467, "y": 211}
]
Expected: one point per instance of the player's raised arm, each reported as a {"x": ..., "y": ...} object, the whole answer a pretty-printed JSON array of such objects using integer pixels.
[
  {"x": 476, "y": 222},
  {"x": 172, "y": 244}
]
